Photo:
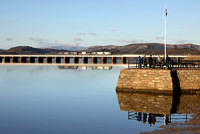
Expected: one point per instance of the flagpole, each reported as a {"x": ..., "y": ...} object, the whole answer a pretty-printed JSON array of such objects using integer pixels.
[{"x": 165, "y": 33}]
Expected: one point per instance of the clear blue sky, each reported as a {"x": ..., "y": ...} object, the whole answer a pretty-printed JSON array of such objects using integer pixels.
[{"x": 43, "y": 23}]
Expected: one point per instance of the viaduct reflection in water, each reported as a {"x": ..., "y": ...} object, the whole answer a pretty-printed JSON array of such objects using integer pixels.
[
  {"x": 85, "y": 67},
  {"x": 147, "y": 108}
]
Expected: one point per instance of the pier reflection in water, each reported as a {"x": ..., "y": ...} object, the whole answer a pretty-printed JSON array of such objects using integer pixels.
[{"x": 152, "y": 108}]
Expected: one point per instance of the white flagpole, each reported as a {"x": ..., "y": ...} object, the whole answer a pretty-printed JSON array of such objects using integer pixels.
[{"x": 165, "y": 33}]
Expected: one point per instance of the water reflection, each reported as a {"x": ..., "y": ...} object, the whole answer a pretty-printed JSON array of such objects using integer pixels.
[
  {"x": 147, "y": 108},
  {"x": 147, "y": 117},
  {"x": 67, "y": 67},
  {"x": 101, "y": 68},
  {"x": 86, "y": 67}
]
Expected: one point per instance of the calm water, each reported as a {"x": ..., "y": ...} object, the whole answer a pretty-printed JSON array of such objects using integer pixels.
[{"x": 52, "y": 100}]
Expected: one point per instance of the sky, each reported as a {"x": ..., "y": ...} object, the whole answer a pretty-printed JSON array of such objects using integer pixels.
[{"x": 47, "y": 23}]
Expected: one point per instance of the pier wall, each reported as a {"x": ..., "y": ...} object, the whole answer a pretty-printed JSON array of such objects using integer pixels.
[
  {"x": 157, "y": 80},
  {"x": 144, "y": 80},
  {"x": 189, "y": 79}
]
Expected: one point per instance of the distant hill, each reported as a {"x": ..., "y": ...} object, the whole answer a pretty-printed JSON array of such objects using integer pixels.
[
  {"x": 30, "y": 50},
  {"x": 139, "y": 48},
  {"x": 2, "y": 50},
  {"x": 148, "y": 48}
]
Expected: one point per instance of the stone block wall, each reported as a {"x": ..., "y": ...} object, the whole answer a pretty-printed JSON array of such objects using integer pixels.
[
  {"x": 157, "y": 80},
  {"x": 144, "y": 80},
  {"x": 189, "y": 79}
]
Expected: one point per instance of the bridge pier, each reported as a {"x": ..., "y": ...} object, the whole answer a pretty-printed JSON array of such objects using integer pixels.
[
  {"x": 94, "y": 60},
  {"x": 58, "y": 60},
  {"x": 7, "y": 59},
  {"x": 76, "y": 59},
  {"x": 32, "y": 59},
  {"x": 1, "y": 59},
  {"x": 49, "y": 60},
  {"x": 40, "y": 59},
  {"x": 104, "y": 60},
  {"x": 123, "y": 60},
  {"x": 16, "y": 59},
  {"x": 114, "y": 60},
  {"x": 66, "y": 60},
  {"x": 24, "y": 59},
  {"x": 85, "y": 60}
]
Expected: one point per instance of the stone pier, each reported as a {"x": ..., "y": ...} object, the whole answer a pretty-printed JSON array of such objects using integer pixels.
[
  {"x": 147, "y": 80},
  {"x": 76, "y": 59},
  {"x": 189, "y": 79},
  {"x": 158, "y": 80},
  {"x": 94, "y": 60},
  {"x": 40, "y": 59},
  {"x": 104, "y": 60},
  {"x": 16, "y": 59},
  {"x": 67, "y": 60},
  {"x": 24, "y": 60},
  {"x": 114, "y": 60},
  {"x": 85, "y": 60},
  {"x": 32, "y": 59},
  {"x": 123, "y": 60},
  {"x": 7, "y": 59},
  {"x": 58, "y": 59}
]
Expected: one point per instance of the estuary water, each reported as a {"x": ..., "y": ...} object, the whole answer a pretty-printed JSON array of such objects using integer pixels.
[{"x": 69, "y": 100}]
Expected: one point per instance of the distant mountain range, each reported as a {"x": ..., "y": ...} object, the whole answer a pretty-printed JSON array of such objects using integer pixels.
[
  {"x": 139, "y": 48},
  {"x": 30, "y": 50},
  {"x": 149, "y": 48}
]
